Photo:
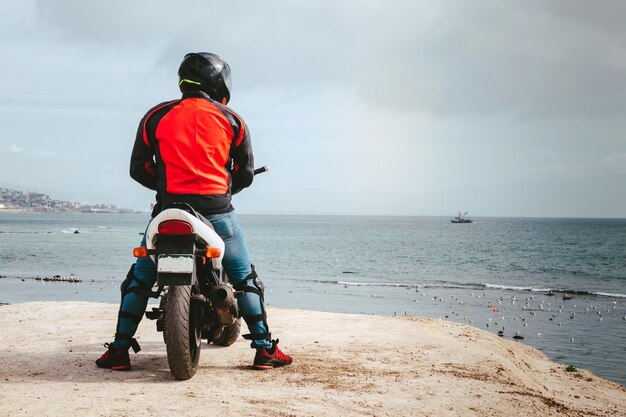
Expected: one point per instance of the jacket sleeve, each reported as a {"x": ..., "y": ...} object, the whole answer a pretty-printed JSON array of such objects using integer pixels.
[
  {"x": 142, "y": 165},
  {"x": 243, "y": 161}
]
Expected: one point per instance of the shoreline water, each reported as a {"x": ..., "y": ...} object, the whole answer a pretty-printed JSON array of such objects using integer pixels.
[
  {"x": 566, "y": 327},
  {"x": 550, "y": 292}
]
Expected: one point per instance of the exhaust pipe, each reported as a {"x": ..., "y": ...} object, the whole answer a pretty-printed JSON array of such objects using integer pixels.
[{"x": 224, "y": 303}]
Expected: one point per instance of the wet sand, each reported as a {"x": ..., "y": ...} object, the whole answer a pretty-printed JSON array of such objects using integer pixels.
[{"x": 348, "y": 365}]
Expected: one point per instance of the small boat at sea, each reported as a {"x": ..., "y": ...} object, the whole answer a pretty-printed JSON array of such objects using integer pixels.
[{"x": 460, "y": 218}]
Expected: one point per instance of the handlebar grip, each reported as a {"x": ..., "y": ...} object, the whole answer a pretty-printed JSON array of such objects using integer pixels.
[{"x": 261, "y": 170}]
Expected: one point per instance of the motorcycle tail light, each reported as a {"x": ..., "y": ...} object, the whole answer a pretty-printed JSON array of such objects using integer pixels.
[
  {"x": 213, "y": 252},
  {"x": 175, "y": 227},
  {"x": 140, "y": 252}
]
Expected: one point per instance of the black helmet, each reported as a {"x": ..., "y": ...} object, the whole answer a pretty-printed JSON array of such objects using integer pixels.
[{"x": 206, "y": 72}]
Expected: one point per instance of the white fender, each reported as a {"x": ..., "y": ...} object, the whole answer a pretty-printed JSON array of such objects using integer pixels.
[{"x": 204, "y": 231}]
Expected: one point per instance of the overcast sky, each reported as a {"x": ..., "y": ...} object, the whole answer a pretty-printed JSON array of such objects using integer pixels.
[{"x": 506, "y": 108}]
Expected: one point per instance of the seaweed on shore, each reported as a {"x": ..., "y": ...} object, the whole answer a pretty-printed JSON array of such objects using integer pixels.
[
  {"x": 59, "y": 278},
  {"x": 55, "y": 278}
]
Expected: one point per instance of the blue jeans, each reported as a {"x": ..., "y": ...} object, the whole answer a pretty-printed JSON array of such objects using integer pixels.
[{"x": 236, "y": 263}]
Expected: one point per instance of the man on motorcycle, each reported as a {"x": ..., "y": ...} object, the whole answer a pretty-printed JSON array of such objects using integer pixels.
[{"x": 196, "y": 150}]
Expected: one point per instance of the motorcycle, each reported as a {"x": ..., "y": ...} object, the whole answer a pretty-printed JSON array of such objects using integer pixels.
[{"x": 197, "y": 300}]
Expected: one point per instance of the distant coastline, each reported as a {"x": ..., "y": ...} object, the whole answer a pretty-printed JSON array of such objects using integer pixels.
[
  {"x": 69, "y": 210},
  {"x": 13, "y": 210},
  {"x": 16, "y": 201}
]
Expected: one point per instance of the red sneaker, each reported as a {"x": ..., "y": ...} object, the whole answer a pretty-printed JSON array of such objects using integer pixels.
[
  {"x": 270, "y": 358},
  {"x": 116, "y": 359}
]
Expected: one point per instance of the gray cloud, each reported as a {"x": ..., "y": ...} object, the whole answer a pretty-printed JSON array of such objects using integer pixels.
[{"x": 551, "y": 59}]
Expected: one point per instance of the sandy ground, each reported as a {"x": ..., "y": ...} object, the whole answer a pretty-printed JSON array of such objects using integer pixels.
[{"x": 344, "y": 365}]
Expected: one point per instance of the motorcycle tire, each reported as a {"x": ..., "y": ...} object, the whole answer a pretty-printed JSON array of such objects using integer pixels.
[
  {"x": 162, "y": 307},
  {"x": 183, "y": 328},
  {"x": 229, "y": 334}
]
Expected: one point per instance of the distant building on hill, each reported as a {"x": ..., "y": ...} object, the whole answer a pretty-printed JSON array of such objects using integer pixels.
[{"x": 34, "y": 201}]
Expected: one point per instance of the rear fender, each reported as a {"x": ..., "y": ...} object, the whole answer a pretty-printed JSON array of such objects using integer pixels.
[{"x": 203, "y": 231}]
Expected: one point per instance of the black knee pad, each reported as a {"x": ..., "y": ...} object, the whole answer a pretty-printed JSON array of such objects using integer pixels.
[
  {"x": 130, "y": 276},
  {"x": 140, "y": 288},
  {"x": 253, "y": 284}
]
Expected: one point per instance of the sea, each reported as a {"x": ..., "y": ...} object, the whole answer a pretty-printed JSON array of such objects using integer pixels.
[{"x": 557, "y": 284}]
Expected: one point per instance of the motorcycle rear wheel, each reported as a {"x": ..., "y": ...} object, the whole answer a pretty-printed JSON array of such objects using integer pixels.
[
  {"x": 229, "y": 334},
  {"x": 183, "y": 327}
]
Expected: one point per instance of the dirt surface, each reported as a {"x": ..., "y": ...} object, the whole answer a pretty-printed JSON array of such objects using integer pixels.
[{"x": 344, "y": 365}]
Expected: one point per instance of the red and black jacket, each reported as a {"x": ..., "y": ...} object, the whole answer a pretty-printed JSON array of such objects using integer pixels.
[{"x": 193, "y": 150}]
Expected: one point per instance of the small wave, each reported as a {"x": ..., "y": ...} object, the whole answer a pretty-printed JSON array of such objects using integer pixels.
[
  {"x": 436, "y": 284},
  {"x": 555, "y": 290},
  {"x": 373, "y": 284},
  {"x": 448, "y": 284},
  {"x": 515, "y": 288},
  {"x": 608, "y": 294},
  {"x": 473, "y": 286},
  {"x": 17, "y": 232}
]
